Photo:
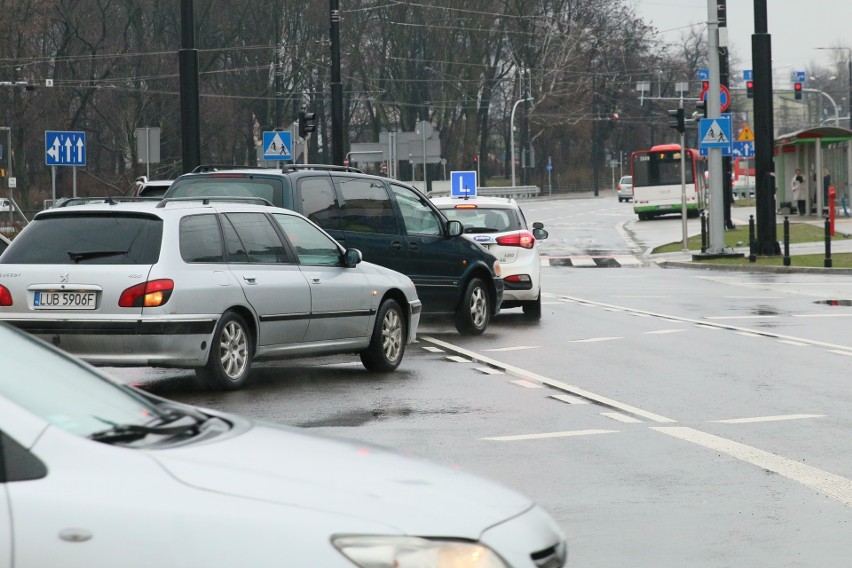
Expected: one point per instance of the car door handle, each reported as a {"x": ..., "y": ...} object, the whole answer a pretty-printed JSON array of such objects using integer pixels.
[
  {"x": 396, "y": 245},
  {"x": 250, "y": 279},
  {"x": 413, "y": 247}
]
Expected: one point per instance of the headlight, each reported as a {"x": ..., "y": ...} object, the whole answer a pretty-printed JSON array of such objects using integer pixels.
[{"x": 413, "y": 552}]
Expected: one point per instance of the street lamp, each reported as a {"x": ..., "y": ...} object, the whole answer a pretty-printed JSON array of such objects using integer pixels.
[
  {"x": 848, "y": 51},
  {"x": 512, "y": 136}
]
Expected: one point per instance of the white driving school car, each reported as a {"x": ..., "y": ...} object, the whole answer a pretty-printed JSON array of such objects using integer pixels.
[
  {"x": 95, "y": 474},
  {"x": 499, "y": 225}
]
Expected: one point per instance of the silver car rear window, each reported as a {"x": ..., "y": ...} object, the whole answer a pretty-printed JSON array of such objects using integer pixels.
[{"x": 82, "y": 238}]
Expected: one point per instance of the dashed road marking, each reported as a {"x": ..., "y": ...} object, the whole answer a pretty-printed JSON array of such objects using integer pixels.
[
  {"x": 457, "y": 359},
  {"x": 432, "y": 349},
  {"x": 526, "y": 384},
  {"x": 594, "y": 339},
  {"x": 768, "y": 418},
  {"x": 664, "y": 331},
  {"x": 550, "y": 435},
  {"x": 569, "y": 399},
  {"x": 621, "y": 417},
  {"x": 515, "y": 348},
  {"x": 489, "y": 371}
]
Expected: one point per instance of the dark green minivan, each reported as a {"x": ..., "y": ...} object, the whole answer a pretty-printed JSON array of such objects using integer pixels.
[{"x": 391, "y": 223}]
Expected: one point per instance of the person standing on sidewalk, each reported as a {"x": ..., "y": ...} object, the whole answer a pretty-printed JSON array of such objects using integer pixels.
[{"x": 800, "y": 191}]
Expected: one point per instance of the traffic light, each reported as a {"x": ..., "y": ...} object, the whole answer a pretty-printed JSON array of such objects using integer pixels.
[
  {"x": 678, "y": 122},
  {"x": 702, "y": 108},
  {"x": 475, "y": 161},
  {"x": 750, "y": 89},
  {"x": 797, "y": 89},
  {"x": 307, "y": 122}
]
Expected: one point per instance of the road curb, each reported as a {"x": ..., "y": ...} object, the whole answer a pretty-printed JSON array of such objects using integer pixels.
[{"x": 751, "y": 268}]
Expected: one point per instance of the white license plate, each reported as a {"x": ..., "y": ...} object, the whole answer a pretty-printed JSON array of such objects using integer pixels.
[{"x": 65, "y": 300}]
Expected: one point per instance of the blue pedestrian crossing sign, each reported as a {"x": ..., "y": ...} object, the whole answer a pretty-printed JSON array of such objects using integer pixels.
[
  {"x": 715, "y": 133},
  {"x": 462, "y": 184},
  {"x": 64, "y": 148},
  {"x": 277, "y": 145}
]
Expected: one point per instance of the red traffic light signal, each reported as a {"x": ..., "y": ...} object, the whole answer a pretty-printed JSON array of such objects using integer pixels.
[
  {"x": 797, "y": 89},
  {"x": 750, "y": 89}
]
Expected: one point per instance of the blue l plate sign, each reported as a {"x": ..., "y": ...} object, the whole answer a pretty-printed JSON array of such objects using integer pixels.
[
  {"x": 462, "y": 184},
  {"x": 64, "y": 148}
]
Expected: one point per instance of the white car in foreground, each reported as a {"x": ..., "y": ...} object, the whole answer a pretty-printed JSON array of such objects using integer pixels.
[
  {"x": 94, "y": 474},
  {"x": 499, "y": 225}
]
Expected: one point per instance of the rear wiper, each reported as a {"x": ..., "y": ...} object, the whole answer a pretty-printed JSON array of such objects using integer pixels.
[{"x": 78, "y": 256}]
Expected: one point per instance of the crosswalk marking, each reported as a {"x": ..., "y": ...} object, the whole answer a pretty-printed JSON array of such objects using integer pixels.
[{"x": 587, "y": 261}]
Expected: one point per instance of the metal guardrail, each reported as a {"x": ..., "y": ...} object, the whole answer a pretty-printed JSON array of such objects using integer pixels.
[{"x": 516, "y": 192}]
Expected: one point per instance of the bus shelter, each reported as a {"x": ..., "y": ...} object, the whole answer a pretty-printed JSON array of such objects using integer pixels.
[{"x": 824, "y": 154}]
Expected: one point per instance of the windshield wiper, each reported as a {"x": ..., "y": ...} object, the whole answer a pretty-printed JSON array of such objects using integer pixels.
[
  {"x": 78, "y": 256},
  {"x": 173, "y": 422}
]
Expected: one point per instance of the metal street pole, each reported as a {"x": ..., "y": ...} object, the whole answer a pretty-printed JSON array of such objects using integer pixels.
[
  {"x": 189, "y": 112},
  {"x": 336, "y": 86},
  {"x": 717, "y": 210},
  {"x": 9, "y": 175},
  {"x": 764, "y": 134},
  {"x": 512, "y": 139},
  {"x": 848, "y": 51}
]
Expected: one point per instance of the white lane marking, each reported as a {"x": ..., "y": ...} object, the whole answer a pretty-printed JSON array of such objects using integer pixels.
[
  {"x": 569, "y": 399},
  {"x": 627, "y": 261},
  {"x": 457, "y": 359},
  {"x": 342, "y": 365},
  {"x": 719, "y": 326},
  {"x": 489, "y": 371},
  {"x": 768, "y": 418},
  {"x": 740, "y": 317},
  {"x": 516, "y": 348},
  {"x": 526, "y": 384},
  {"x": 582, "y": 262},
  {"x": 640, "y": 315},
  {"x": 621, "y": 417},
  {"x": 663, "y": 331},
  {"x": 748, "y": 334},
  {"x": 550, "y": 435},
  {"x": 613, "y": 310},
  {"x": 839, "y": 352},
  {"x": 544, "y": 261},
  {"x": 822, "y": 315},
  {"x": 570, "y": 389},
  {"x": 791, "y": 342},
  {"x": 752, "y": 297},
  {"x": 833, "y": 485},
  {"x": 594, "y": 339},
  {"x": 432, "y": 349}
]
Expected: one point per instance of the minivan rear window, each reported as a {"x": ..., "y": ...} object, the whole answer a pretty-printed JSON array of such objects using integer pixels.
[{"x": 88, "y": 238}]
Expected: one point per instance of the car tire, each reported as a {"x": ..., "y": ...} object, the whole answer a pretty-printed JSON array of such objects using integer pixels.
[
  {"x": 387, "y": 343},
  {"x": 532, "y": 309},
  {"x": 229, "y": 362},
  {"x": 474, "y": 310}
]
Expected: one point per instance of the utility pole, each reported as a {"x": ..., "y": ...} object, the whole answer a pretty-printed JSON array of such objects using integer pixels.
[
  {"x": 336, "y": 86},
  {"x": 764, "y": 134},
  {"x": 722, "y": 15},
  {"x": 188, "y": 69},
  {"x": 714, "y": 155}
]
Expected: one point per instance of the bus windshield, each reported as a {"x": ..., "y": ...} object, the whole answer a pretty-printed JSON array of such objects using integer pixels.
[{"x": 659, "y": 168}]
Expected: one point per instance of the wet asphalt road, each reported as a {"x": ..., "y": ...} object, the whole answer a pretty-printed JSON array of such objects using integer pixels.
[{"x": 664, "y": 417}]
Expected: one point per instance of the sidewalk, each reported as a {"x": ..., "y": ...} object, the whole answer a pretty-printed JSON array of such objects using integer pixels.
[{"x": 740, "y": 217}]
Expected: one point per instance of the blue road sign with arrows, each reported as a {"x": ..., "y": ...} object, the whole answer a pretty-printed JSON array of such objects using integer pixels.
[
  {"x": 462, "y": 184},
  {"x": 64, "y": 148},
  {"x": 743, "y": 149}
]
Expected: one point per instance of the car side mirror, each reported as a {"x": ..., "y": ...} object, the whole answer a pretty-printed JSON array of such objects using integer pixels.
[
  {"x": 352, "y": 257},
  {"x": 539, "y": 234},
  {"x": 455, "y": 228},
  {"x": 538, "y": 225}
]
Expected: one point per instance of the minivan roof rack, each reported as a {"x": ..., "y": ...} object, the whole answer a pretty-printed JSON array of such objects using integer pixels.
[
  {"x": 326, "y": 167},
  {"x": 71, "y": 201},
  {"x": 206, "y": 199},
  {"x": 221, "y": 167}
]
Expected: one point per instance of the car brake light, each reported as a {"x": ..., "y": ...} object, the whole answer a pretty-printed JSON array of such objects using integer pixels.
[
  {"x": 5, "y": 296},
  {"x": 466, "y": 206},
  {"x": 523, "y": 239},
  {"x": 147, "y": 294}
]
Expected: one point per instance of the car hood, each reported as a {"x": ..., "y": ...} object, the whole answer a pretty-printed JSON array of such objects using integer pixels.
[{"x": 285, "y": 466}]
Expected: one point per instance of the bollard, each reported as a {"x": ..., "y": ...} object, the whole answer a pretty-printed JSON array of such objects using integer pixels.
[
  {"x": 786, "y": 241},
  {"x": 703, "y": 232},
  {"x": 827, "y": 262},
  {"x": 832, "y": 203},
  {"x": 751, "y": 240}
]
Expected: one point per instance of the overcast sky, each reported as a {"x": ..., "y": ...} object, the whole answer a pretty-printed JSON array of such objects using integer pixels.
[{"x": 797, "y": 27}]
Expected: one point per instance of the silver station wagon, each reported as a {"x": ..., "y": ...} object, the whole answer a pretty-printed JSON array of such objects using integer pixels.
[{"x": 210, "y": 284}]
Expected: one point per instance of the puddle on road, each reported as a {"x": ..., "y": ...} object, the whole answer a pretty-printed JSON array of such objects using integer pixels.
[{"x": 355, "y": 418}]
